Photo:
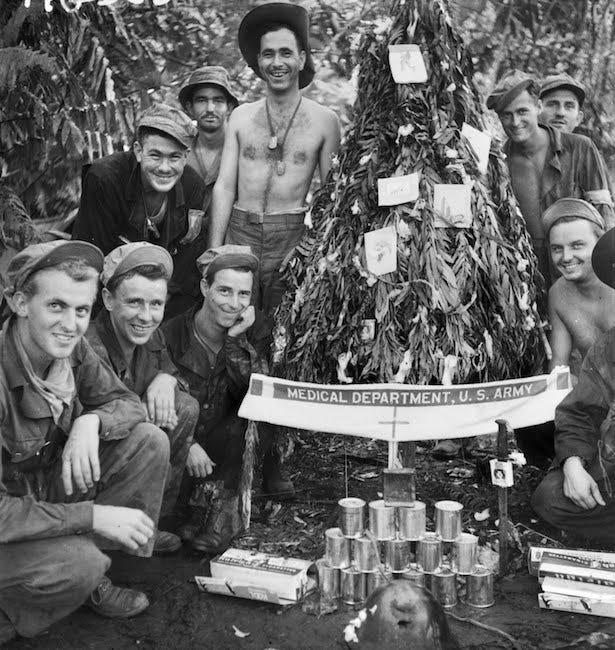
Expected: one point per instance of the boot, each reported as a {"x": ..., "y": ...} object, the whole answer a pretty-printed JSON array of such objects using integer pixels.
[
  {"x": 189, "y": 529},
  {"x": 222, "y": 525}
]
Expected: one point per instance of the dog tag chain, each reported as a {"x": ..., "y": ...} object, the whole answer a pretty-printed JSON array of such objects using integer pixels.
[{"x": 278, "y": 145}]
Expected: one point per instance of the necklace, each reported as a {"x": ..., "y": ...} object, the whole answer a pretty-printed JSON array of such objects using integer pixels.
[{"x": 278, "y": 145}]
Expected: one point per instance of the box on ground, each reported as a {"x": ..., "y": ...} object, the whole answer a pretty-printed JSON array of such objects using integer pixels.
[{"x": 258, "y": 576}]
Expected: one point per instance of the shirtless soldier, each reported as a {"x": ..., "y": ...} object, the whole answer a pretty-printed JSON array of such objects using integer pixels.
[
  {"x": 272, "y": 147},
  {"x": 581, "y": 307}
]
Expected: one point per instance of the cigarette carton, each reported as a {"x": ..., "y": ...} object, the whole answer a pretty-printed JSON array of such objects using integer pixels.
[
  {"x": 536, "y": 552},
  {"x": 258, "y": 576},
  {"x": 577, "y": 605}
]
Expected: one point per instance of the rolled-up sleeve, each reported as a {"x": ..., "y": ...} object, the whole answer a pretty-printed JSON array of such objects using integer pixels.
[
  {"x": 101, "y": 392},
  {"x": 581, "y": 413}
]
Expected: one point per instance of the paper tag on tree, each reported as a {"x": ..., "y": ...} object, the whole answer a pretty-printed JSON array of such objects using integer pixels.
[
  {"x": 398, "y": 189},
  {"x": 480, "y": 143},
  {"x": 407, "y": 65},
  {"x": 381, "y": 250},
  {"x": 453, "y": 206},
  {"x": 501, "y": 473}
]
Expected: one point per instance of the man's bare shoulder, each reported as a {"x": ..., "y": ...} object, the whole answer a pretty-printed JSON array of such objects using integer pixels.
[
  {"x": 316, "y": 109},
  {"x": 246, "y": 111}
]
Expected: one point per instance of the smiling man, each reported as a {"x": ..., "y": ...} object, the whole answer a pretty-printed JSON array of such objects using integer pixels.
[
  {"x": 216, "y": 348},
  {"x": 562, "y": 100},
  {"x": 80, "y": 469},
  {"x": 209, "y": 100},
  {"x": 149, "y": 194},
  {"x": 581, "y": 307},
  {"x": 126, "y": 335},
  {"x": 546, "y": 164}
]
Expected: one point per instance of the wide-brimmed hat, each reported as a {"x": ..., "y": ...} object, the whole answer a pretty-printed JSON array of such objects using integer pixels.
[
  {"x": 509, "y": 88},
  {"x": 212, "y": 75},
  {"x": 555, "y": 81},
  {"x": 47, "y": 255},
  {"x": 130, "y": 256},
  {"x": 603, "y": 258},
  {"x": 283, "y": 13}
]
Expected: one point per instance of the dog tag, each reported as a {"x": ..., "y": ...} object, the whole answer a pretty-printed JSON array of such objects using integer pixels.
[
  {"x": 280, "y": 168},
  {"x": 273, "y": 142}
]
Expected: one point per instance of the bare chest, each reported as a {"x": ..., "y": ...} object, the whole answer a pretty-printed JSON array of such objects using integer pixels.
[{"x": 587, "y": 320}]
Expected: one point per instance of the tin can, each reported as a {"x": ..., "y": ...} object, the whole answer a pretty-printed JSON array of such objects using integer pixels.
[
  {"x": 397, "y": 554},
  {"x": 448, "y": 520},
  {"x": 480, "y": 587},
  {"x": 337, "y": 548},
  {"x": 444, "y": 587},
  {"x": 365, "y": 554},
  {"x": 328, "y": 579},
  {"x": 429, "y": 552},
  {"x": 414, "y": 574},
  {"x": 351, "y": 516},
  {"x": 376, "y": 579},
  {"x": 465, "y": 553},
  {"x": 353, "y": 586},
  {"x": 381, "y": 520},
  {"x": 412, "y": 521}
]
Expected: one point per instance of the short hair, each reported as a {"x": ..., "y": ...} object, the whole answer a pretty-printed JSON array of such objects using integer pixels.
[
  {"x": 144, "y": 131},
  {"x": 276, "y": 27},
  {"x": 149, "y": 271},
  {"x": 77, "y": 268},
  {"x": 210, "y": 275},
  {"x": 596, "y": 229}
]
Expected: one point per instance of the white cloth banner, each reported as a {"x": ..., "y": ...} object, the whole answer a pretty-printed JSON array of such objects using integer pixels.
[{"x": 402, "y": 412}]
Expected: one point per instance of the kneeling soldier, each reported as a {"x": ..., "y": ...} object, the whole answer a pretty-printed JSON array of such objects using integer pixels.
[
  {"x": 216, "y": 348},
  {"x": 125, "y": 334},
  {"x": 78, "y": 462}
]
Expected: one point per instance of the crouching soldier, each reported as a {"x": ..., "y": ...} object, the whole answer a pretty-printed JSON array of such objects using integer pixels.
[
  {"x": 78, "y": 462},
  {"x": 216, "y": 347},
  {"x": 126, "y": 335}
]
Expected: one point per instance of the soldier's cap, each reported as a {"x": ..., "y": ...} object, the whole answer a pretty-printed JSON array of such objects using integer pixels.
[
  {"x": 603, "y": 258},
  {"x": 509, "y": 88},
  {"x": 569, "y": 207},
  {"x": 282, "y": 13},
  {"x": 169, "y": 120},
  {"x": 228, "y": 256},
  {"x": 212, "y": 75},
  {"x": 565, "y": 81},
  {"x": 47, "y": 255},
  {"x": 128, "y": 257}
]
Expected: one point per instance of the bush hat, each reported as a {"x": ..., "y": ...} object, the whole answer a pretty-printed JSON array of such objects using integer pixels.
[
  {"x": 284, "y": 13},
  {"x": 228, "y": 256},
  {"x": 603, "y": 258},
  {"x": 169, "y": 120},
  {"x": 509, "y": 88},
  {"x": 569, "y": 207},
  {"x": 47, "y": 255},
  {"x": 125, "y": 258},
  {"x": 555, "y": 81},
  {"x": 212, "y": 75}
]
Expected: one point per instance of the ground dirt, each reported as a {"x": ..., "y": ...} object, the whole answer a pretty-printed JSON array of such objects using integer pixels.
[{"x": 325, "y": 468}]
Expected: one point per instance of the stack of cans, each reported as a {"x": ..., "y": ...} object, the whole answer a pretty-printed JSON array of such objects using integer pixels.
[{"x": 396, "y": 545}]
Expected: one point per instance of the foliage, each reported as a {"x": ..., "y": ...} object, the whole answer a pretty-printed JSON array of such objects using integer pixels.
[{"x": 467, "y": 293}]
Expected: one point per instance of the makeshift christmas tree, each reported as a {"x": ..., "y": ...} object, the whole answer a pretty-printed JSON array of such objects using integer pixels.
[{"x": 461, "y": 303}]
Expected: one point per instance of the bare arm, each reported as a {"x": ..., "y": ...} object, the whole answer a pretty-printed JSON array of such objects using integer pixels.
[
  {"x": 330, "y": 145},
  {"x": 225, "y": 189},
  {"x": 561, "y": 341}
]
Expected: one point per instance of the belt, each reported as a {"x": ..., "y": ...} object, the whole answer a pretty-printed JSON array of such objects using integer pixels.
[{"x": 287, "y": 218}]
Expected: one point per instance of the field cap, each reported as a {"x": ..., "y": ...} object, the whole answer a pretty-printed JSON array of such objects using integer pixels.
[
  {"x": 569, "y": 207},
  {"x": 283, "y": 13},
  {"x": 509, "y": 88},
  {"x": 603, "y": 258},
  {"x": 125, "y": 258},
  {"x": 565, "y": 81},
  {"x": 228, "y": 256},
  {"x": 169, "y": 120},
  {"x": 213, "y": 75},
  {"x": 49, "y": 254}
]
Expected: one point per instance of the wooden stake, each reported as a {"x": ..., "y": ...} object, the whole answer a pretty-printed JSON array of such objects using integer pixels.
[{"x": 503, "y": 428}]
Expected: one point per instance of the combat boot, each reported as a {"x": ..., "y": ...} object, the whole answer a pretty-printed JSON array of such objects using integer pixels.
[{"x": 222, "y": 525}]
